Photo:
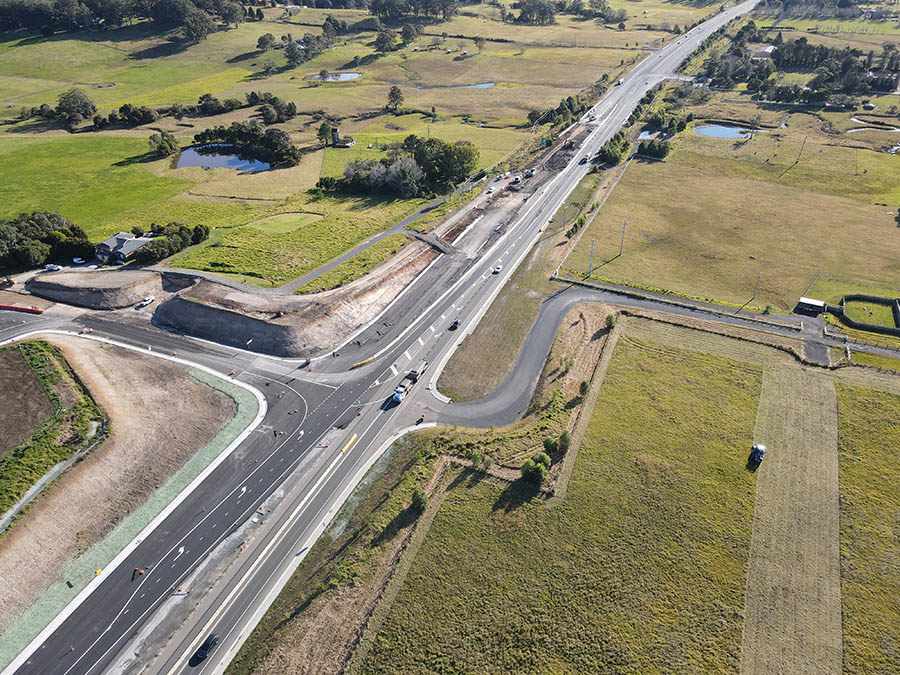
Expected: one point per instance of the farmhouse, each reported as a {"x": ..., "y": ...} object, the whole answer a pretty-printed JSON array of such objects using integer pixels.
[{"x": 121, "y": 246}]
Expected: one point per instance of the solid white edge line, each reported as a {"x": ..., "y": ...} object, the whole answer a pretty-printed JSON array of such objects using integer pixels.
[{"x": 76, "y": 602}]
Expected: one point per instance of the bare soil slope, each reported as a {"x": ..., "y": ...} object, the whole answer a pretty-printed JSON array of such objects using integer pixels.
[
  {"x": 26, "y": 403},
  {"x": 152, "y": 434}
]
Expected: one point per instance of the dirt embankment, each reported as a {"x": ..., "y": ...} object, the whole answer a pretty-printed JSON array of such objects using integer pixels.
[
  {"x": 152, "y": 435},
  {"x": 293, "y": 325},
  {"x": 110, "y": 289}
]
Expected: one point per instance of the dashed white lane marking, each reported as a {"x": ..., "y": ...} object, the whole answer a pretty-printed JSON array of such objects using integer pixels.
[
  {"x": 408, "y": 357},
  {"x": 393, "y": 370},
  {"x": 432, "y": 328},
  {"x": 420, "y": 342},
  {"x": 443, "y": 316}
]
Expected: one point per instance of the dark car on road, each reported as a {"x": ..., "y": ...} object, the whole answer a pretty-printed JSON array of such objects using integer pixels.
[{"x": 206, "y": 648}]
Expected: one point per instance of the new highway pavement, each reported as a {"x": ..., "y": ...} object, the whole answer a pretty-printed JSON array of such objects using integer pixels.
[{"x": 304, "y": 464}]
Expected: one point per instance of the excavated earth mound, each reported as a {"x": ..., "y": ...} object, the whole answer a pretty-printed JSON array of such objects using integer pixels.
[{"x": 103, "y": 289}]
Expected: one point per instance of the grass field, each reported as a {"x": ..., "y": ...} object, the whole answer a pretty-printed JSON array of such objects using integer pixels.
[
  {"x": 640, "y": 569},
  {"x": 719, "y": 212},
  {"x": 868, "y": 312},
  {"x": 269, "y": 258},
  {"x": 56, "y": 438},
  {"x": 870, "y": 549},
  {"x": 356, "y": 266},
  {"x": 832, "y": 289},
  {"x": 877, "y": 361}
]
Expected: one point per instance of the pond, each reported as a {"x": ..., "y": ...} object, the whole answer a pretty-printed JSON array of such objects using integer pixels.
[
  {"x": 723, "y": 131},
  {"x": 218, "y": 156},
  {"x": 337, "y": 77}
]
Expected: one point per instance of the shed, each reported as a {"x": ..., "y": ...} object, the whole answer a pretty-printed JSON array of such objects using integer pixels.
[
  {"x": 810, "y": 306},
  {"x": 764, "y": 52}
]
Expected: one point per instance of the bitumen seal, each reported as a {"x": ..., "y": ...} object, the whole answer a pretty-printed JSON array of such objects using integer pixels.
[{"x": 83, "y": 568}]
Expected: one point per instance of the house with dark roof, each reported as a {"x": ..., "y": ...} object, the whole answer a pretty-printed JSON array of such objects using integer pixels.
[{"x": 121, "y": 246}]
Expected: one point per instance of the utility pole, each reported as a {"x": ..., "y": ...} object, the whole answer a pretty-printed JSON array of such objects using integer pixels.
[
  {"x": 622, "y": 242},
  {"x": 591, "y": 267}
]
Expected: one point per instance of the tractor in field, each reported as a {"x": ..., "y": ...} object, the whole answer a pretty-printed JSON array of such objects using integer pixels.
[{"x": 756, "y": 457}]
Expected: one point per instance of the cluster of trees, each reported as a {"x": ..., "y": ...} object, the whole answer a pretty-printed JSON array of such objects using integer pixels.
[
  {"x": 309, "y": 47},
  {"x": 272, "y": 108},
  {"x": 163, "y": 144},
  {"x": 542, "y": 12},
  {"x": 195, "y": 19},
  {"x": 127, "y": 114},
  {"x": 73, "y": 106},
  {"x": 30, "y": 240},
  {"x": 171, "y": 239},
  {"x": 251, "y": 14},
  {"x": 614, "y": 150},
  {"x": 252, "y": 138},
  {"x": 568, "y": 110},
  {"x": 654, "y": 148},
  {"x": 394, "y": 10},
  {"x": 415, "y": 167}
]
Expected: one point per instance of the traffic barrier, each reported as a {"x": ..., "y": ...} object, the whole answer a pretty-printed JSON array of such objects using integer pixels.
[
  {"x": 17, "y": 308},
  {"x": 362, "y": 363}
]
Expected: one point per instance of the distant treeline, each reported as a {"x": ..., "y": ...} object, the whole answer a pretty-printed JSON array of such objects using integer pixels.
[
  {"x": 32, "y": 239},
  {"x": 252, "y": 138},
  {"x": 170, "y": 239}
]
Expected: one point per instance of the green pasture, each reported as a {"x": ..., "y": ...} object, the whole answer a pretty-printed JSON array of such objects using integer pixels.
[
  {"x": 641, "y": 569},
  {"x": 356, "y": 266}
]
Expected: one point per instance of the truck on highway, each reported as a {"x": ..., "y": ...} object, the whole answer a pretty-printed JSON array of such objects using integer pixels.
[{"x": 408, "y": 381}]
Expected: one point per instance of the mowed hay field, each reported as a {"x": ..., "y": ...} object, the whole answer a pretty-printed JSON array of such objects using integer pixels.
[
  {"x": 641, "y": 568},
  {"x": 868, "y": 429},
  {"x": 788, "y": 204}
]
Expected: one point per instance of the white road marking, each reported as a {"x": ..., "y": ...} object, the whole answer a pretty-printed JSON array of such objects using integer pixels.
[
  {"x": 393, "y": 370},
  {"x": 406, "y": 354},
  {"x": 420, "y": 342}
]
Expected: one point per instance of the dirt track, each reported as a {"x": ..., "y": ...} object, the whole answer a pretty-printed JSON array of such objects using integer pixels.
[
  {"x": 153, "y": 434},
  {"x": 792, "y": 611}
]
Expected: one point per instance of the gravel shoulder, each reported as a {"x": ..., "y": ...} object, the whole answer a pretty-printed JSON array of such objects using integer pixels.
[{"x": 152, "y": 434}]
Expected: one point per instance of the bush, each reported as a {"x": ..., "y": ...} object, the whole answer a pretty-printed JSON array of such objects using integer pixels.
[
  {"x": 534, "y": 472},
  {"x": 584, "y": 388},
  {"x": 541, "y": 458},
  {"x": 565, "y": 440},
  {"x": 550, "y": 445},
  {"x": 610, "y": 321},
  {"x": 419, "y": 500}
]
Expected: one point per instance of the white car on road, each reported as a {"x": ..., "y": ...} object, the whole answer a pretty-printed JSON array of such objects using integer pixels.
[{"x": 146, "y": 301}]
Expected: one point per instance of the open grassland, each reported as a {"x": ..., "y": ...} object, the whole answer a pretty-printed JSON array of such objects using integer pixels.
[
  {"x": 832, "y": 289},
  {"x": 868, "y": 312},
  {"x": 787, "y": 204},
  {"x": 56, "y": 438},
  {"x": 870, "y": 548},
  {"x": 641, "y": 568},
  {"x": 270, "y": 258},
  {"x": 26, "y": 405},
  {"x": 877, "y": 361},
  {"x": 356, "y": 266}
]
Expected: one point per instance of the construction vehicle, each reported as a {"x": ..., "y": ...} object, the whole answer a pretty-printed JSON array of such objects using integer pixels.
[
  {"x": 756, "y": 456},
  {"x": 408, "y": 381}
]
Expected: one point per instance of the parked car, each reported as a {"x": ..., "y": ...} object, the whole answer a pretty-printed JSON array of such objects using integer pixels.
[
  {"x": 52, "y": 268},
  {"x": 490, "y": 191}
]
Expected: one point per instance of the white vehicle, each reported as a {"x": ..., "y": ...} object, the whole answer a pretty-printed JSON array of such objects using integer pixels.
[
  {"x": 146, "y": 301},
  {"x": 52, "y": 268},
  {"x": 622, "y": 81},
  {"x": 78, "y": 261},
  {"x": 497, "y": 269},
  {"x": 490, "y": 191}
]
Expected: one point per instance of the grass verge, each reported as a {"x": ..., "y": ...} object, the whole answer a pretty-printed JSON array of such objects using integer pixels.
[{"x": 356, "y": 266}]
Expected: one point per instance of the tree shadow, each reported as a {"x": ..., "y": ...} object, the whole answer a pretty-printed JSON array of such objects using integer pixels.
[
  {"x": 515, "y": 495},
  {"x": 399, "y": 522},
  {"x": 168, "y": 48},
  {"x": 137, "y": 159},
  {"x": 245, "y": 56}
]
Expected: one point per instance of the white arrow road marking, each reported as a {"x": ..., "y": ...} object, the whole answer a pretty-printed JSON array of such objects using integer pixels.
[
  {"x": 180, "y": 551},
  {"x": 243, "y": 490}
]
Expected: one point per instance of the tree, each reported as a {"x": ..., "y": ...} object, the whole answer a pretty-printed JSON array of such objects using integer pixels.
[
  {"x": 197, "y": 25},
  {"x": 408, "y": 33},
  {"x": 385, "y": 42},
  {"x": 550, "y": 445},
  {"x": 324, "y": 133},
  {"x": 231, "y": 13},
  {"x": 265, "y": 42},
  {"x": 294, "y": 54},
  {"x": 395, "y": 98},
  {"x": 583, "y": 388},
  {"x": 534, "y": 472},
  {"x": 163, "y": 144},
  {"x": 419, "y": 500},
  {"x": 75, "y": 102},
  {"x": 565, "y": 440},
  {"x": 259, "y": 14},
  {"x": 610, "y": 321},
  {"x": 479, "y": 43}
]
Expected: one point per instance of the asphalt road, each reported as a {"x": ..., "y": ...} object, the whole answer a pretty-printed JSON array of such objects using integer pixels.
[{"x": 340, "y": 428}]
